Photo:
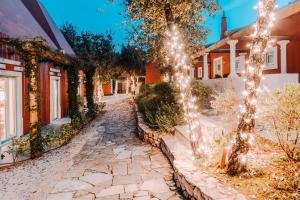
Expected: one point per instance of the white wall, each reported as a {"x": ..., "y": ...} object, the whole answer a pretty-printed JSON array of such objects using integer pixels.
[{"x": 271, "y": 81}]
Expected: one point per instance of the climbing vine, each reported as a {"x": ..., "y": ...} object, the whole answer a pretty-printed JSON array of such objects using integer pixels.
[{"x": 32, "y": 52}]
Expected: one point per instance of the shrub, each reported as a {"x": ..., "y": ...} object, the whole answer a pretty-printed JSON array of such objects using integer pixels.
[
  {"x": 283, "y": 112},
  {"x": 227, "y": 103},
  {"x": 158, "y": 103},
  {"x": 203, "y": 93}
]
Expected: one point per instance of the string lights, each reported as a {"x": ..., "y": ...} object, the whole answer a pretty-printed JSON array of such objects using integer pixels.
[
  {"x": 261, "y": 40},
  {"x": 178, "y": 58}
]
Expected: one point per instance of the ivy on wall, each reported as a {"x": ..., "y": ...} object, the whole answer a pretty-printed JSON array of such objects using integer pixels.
[{"x": 33, "y": 52}]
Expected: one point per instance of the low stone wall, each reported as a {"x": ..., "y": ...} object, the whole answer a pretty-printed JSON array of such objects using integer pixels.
[
  {"x": 195, "y": 184},
  {"x": 145, "y": 133}
]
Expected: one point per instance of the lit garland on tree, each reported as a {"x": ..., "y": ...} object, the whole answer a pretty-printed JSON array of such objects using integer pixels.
[
  {"x": 260, "y": 42},
  {"x": 178, "y": 58}
]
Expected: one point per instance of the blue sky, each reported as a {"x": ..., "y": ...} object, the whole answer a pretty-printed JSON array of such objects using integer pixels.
[{"x": 101, "y": 16}]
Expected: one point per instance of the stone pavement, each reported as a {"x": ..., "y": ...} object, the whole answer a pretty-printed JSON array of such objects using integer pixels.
[{"x": 115, "y": 164}]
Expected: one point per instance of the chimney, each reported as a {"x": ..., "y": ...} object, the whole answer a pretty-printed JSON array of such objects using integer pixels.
[{"x": 223, "y": 26}]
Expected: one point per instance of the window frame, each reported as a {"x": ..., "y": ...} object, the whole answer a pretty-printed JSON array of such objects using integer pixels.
[{"x": 216, "y": 60}]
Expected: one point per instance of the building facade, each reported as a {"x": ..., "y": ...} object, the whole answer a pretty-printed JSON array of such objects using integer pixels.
[{"x": 29, "y": 19}]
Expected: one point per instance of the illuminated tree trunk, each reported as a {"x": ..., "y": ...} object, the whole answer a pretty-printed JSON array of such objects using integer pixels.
[
  {"x": 36, "y": 146},
  {"x": 237, "y": 160}
]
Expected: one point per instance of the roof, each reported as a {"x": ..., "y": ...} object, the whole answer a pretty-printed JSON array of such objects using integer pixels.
[
  {"x": 280, "y": 14},
  {"x": 29, "y": 19}
]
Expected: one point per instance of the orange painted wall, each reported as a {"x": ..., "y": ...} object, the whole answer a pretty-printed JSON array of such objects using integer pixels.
[
  {"x": 225, "y": 60},
  {"x": 107, "y": 88},
  {"x": 152, "y": 74}
]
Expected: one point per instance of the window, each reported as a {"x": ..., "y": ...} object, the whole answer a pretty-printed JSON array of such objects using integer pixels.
[
  {"x": 218, "y": 67},
  {"x": 271, "y": 58},
  {"x": 55, "y": 111},
  {"x": 200, "y": 72},
  {"x": 8, "y": 104}
]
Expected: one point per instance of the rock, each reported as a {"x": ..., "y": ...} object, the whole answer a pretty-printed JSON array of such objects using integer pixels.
[
  {"x": 113, "y": 190},
  {"x": 97, "y": 179},
  {"x": 60, "y": 196},
  {"x": 70, "y": 185},
  {"x": 155, "y": 186},
  {"x": 131, "y": 188},
  {"x": 125, "y": 180}
]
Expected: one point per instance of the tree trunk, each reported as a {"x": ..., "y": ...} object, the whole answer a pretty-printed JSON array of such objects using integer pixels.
[
  {"x": 237, "y": 160},
  {"x": 132, "y": 85},
  {"x": 73, "y": 82},
  {"x": 36, "y": 146},
  {"x": 137, "y": 86},
  {"x": 169, "y": 15},
  {"x": 116, "y": 88},
  {"x": 90, "y": 91}
]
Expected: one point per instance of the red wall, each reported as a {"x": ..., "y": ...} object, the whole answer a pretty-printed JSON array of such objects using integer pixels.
[
  {"x": 226, "y": 63},
  {"x": 152, "y": 74},
  {"x": 293, "y": 57},
  {"x": 107, "y": 88}
]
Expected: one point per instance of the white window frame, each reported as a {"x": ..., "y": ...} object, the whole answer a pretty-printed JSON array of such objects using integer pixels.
[
  {"x": 19, "y": 97},
  {"x": 274, "y": 64},
  {"x": 216, "y": 61},
  {"x": 55, "y": 78},
  {"x": 200, "y": 75}
]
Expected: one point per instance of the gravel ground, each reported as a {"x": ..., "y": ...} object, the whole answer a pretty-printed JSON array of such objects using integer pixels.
[{"x": 33, "y": 179}]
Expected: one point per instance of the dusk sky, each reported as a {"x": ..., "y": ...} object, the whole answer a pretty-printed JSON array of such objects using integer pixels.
[{"x": 101, "y": 16}]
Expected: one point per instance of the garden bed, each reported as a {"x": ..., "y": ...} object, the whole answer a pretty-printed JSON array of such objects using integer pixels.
[{"x": 270, "y": 174}]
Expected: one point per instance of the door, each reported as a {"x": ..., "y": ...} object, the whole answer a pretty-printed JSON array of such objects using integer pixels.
[
  {"x": 55, "y": 111},
  {"x": 8, "y": 108}
]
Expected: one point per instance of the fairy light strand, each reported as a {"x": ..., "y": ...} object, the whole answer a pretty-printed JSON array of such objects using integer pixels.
[
  {"x": 178, "y": 58},
  {"x": 261, "y": 41}
]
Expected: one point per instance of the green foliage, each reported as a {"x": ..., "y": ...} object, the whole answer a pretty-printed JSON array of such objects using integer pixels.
[
  {"x": 203, "y": 93},
  {"x": 154, "y": 16},
  {"x": 158, "y": 103},
  {"x": 131, "y": 59},
  {"x": 97, "y": 56},
  {"x": 283, "y": 112},
  {"x": 18, "y": 147}
]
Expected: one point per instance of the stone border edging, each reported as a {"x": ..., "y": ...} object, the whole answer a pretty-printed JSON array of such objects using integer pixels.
[
  {"x": 145, "y": 133},
  {"x": 195, "y": 184}
]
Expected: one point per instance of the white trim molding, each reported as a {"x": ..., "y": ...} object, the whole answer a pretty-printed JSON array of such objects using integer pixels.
[
  {"x": 283, "y": 55},
  {"x": 11, "y": 62},
  {"x": 19, "y": 98},
  {"x": 205, "y": 65},
  {"x": 271, "y": 60},
  {"x": 55, "y": 78}
]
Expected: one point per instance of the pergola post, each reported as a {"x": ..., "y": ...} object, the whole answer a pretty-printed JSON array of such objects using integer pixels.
[
  {"x": 232, "y": 44},
  {"x": 283, "y": 63},
  {"x": 205, "y": 65}
]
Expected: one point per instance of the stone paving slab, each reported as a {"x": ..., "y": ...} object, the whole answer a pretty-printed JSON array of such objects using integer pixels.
[{"x": 115, "y": 164}]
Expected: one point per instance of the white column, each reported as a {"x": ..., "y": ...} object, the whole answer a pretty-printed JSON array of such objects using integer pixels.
[
  {"x": 127, "y": 85},
  {"x": 232, "y": 44},
  {"x": 283, "y": 44},
  {"x": 205, "y": 65}
]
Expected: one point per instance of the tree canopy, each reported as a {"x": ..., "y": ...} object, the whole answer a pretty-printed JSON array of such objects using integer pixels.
[{"x": 155, "y": 16}]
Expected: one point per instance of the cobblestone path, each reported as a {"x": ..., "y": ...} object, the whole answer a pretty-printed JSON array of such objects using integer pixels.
[{"x": 115, "y": 164}]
